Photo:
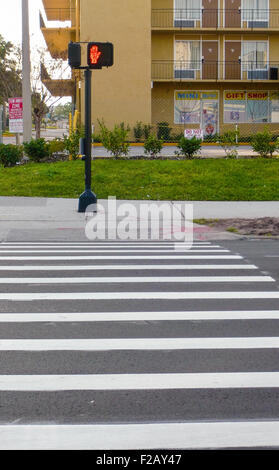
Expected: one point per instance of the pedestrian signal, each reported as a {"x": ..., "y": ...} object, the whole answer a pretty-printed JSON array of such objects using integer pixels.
[{"x": 99, "y": 54}]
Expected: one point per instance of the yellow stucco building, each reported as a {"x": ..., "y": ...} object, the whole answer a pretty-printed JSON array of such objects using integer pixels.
[{"x": 209, "y": 64}]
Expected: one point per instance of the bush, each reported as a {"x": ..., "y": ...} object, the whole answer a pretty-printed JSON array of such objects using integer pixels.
[
  {"x": 36, "y": 149},
  {"x": 263, "y": 145},
  {"x": 138, "y": 131},
  {"x": 229, "y": 143},
  {"x": 115, "y": 141},
  {"x": 56, "y": 146},
  {"x": 153, "y": 146},
  {"x": 96, "y": 138},
  {"x": 10, "y": 154},
  {"x": 189, "y": 147},
  {"x": 176, "y": 137},
  {"x": 71, "y": 143},
  {"x": 146, "y": 130},
  {"x": 163, "y": 131}
]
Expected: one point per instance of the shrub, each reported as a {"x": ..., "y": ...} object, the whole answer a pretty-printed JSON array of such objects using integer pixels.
[
  {"x": 153, "y": 146},
  {"x": 138, "y": 131},
  {"x": 211, "y": 138},
  {"x": 72, "y": 143},
  {"x": 263, "y": 145},
  {"x": 229, "y": 143},
  {"x": 163, "y": 131},
  {"x": 56, "y": 146},
  {"x": 10, "y": 154},
  {"x": 146, "y": 130},
  {"x": 176, "y": 137},
  {"x": 115, "y": 141},
  {"x": 96, "y": 138},
  {"x": 36, "y": 149},
  {"x": 189, "y": 147}
]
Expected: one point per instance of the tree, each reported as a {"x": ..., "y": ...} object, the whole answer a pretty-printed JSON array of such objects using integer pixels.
[
  {"x": 10, "y": 71},
  {"x": 11, "y": 78},
  {"x": 60, "y": 112},
  {"x": 43, "y": 67}
]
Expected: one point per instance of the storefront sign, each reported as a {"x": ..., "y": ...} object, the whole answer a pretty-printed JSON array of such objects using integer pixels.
[
  {"x": 209, "y": 95},
  {"x": 187, "y": 95},
  {"x": 257, "y": 95},
  {"x": 235, "y": 95}
]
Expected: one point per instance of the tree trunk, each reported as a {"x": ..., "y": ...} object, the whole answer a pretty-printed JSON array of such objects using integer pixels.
[{"x": 38, "y": 126}]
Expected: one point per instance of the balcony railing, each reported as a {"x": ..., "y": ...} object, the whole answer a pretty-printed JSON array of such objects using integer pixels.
[
  {"x": 214, "y": 19},
  {"x": 61, "y": 14},
  {"x": 214, "y": 70}
]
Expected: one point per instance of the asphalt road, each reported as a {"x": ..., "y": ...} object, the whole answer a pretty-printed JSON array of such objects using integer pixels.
[{"x": 173, "y": 353}]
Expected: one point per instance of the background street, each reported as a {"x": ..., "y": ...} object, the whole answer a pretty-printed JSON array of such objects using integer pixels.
[{"x": 114, "y": 345}]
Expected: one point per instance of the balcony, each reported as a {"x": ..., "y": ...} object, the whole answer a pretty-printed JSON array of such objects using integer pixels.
[
  {"x": 58, "y": 38},
  {"x": 61, "y": 14},
  {"x": 57, "y": 87},
  {"x": 51, "y": 5},
  {"x": 217, "y": 71},
  {"x": 212, "y": 19}
]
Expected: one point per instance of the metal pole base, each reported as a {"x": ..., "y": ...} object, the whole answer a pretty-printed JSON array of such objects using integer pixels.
[{"x": 86, "y": 199}]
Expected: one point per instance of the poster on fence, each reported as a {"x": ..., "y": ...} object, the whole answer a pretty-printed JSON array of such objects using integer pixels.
[
  {"x": 190, "y": 133},
  {"x": 16, "y": 115}
]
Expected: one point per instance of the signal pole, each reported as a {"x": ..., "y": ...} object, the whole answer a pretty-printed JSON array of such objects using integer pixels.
[
  {"x": 87, "y": 197},
  {"x": 26, "y": 74},
  {"x": 99, "y": 55}
]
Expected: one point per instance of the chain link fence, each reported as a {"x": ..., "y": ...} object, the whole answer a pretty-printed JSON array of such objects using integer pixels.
[{"x": 213, "y": 114}]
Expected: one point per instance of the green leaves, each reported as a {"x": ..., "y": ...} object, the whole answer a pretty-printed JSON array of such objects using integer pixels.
[
  {"x": 189, "y": 147},
  {"x": 10, "y": 155},
  {"x": 153, "y": 146},
  {"x": 263, "y": 145},
  {"x": 115, "y": 141},
  {"x": 36, "y": 149}
]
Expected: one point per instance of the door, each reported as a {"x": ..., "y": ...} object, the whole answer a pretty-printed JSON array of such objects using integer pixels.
[
  {"x": 209, "y": 117},
  {"x": 210, "y": 60},
  {"x": 233, "y": 14},
  {"x": 233, "y": 60},
  {"x": 210, "y": 13}
]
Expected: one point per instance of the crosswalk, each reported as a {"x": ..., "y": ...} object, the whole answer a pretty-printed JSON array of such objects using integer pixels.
[{"x": 136, "y": 345}]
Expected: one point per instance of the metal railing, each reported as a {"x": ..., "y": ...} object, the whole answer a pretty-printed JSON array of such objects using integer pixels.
[
  {"x": 61, "y": 14},
  {"x": 214, "y": 70},
  {"x": 214, "y": 19}
]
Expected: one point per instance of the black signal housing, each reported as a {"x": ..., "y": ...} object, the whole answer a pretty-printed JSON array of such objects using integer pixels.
[{"x": 99, "y": 55}]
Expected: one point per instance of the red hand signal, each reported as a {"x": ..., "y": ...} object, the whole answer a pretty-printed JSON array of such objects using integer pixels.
[{"x": 94, "y": 54}]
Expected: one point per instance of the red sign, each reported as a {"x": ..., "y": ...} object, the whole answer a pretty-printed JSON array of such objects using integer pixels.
[{"x": 16, "y": 115}]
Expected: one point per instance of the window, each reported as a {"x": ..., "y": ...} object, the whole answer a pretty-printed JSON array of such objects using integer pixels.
[
  {"x": 274, "y": 104},
  {"x": 257, "y": 107},
  {"x": 188, "y": 59},
  {"x": 255, "y": 10},
  {"x": 197, "y": 107},
  {"x": 188, "y": 55},
  {"x": 254, "y": 55},
  {"x": 234, "y": 107},
  {"x": 187, "y": 10},
  {"x": 187, "y": 112},
  {"x": 254, "y": 59},
  {"x": 251, "y": 106}
]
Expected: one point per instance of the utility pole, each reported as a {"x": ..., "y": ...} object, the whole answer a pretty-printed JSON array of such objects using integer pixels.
[{"x": 26, "y": 73}]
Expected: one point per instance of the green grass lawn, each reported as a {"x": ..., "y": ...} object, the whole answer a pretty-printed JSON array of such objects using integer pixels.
[{"x": 205, "y": 180}]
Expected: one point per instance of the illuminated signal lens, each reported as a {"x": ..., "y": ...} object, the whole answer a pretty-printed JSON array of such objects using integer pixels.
[
  {"x": 95, "y": 54},
  {"x": 99, "y": 54}
]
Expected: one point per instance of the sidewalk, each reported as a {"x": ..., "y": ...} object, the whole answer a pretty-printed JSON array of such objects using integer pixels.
[
  {"x": 41, "y": 219},
  {"x": 207, "y": 151}
]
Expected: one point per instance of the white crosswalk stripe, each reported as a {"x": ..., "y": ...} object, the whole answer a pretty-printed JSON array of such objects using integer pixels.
[{"x": 135, "y": 339}]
